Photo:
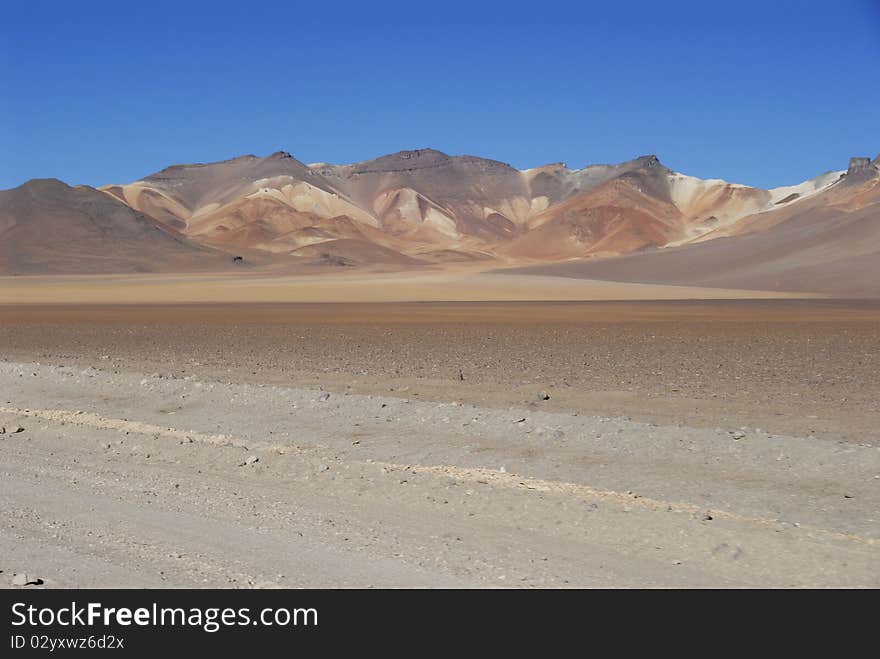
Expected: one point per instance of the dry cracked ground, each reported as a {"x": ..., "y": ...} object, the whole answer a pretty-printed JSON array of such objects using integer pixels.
[{"x": 146, "y": 453}]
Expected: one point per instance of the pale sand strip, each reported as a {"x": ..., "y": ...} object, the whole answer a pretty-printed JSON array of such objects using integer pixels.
[
  {"x": 333, "y": 287},
  {"x": 483, "y": 476}
]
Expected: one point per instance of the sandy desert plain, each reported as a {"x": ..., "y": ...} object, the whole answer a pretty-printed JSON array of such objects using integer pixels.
[{"x": 435, "y": 429}]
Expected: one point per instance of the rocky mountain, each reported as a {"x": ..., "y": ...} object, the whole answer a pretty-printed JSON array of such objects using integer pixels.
[{"x": 425, "y": 207}]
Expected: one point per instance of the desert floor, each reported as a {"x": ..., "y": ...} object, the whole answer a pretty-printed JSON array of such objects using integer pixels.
[
  {"x": 460, "y": 284},
  {"x": 278, "y": 439}
]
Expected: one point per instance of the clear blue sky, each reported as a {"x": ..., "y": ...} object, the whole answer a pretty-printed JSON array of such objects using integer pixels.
[{"x": 758, "y": 92}]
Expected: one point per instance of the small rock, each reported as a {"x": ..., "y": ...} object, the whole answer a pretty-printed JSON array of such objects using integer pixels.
[
  {"x": 249, "y": 460},
  {"x": 323, "y": 398},
  {"x": 707, "y": 517},
  {"x": 543, "y": 396},
  {"x": 25, "y": 579},
  {"x": 738, "y": 434}
]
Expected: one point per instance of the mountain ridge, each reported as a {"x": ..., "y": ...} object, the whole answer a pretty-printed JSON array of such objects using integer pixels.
[
  {"x": 423, "y": 207},
  {"x": 421, "y": 196}
]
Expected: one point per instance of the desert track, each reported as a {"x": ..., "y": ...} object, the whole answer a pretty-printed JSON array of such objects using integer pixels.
[{"x": 133, "y": 479}]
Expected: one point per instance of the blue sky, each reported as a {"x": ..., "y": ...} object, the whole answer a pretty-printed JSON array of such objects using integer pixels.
[{"x": 763, "y": 93}]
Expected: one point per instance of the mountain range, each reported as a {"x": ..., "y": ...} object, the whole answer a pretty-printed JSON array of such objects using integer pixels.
[{"x": 633, "y": 221}]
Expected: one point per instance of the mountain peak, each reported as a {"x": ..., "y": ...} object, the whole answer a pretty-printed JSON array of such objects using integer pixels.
[
  {"x": 418, "y": 153},
  {"x": 44, "y": 184},
  {"x": 549, "y": 168},
  {"x": 862, "y": 169},
  {"x": 403, "y": 161},
  {"x": 858, "y": 164},
  {"x": 648, "y": 161},
  {"x": 49, "y": 180}
]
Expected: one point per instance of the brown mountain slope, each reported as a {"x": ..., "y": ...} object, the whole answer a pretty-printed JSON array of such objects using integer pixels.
[
  {"x": 828, "y": 243},
  {"x": 617, "y": 217},
  {"x": 270, "y": 225},
  {"x": 184, "y": 193},
  {"x": 352, "y": 252},
  {"x": 49, "y": 227}
]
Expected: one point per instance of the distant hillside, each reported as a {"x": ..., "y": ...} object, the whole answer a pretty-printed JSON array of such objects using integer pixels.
[
  {"x": 827, "y": 243},
  {"x": 49, "y": 227},
  {"x": 634, "y": 221}
]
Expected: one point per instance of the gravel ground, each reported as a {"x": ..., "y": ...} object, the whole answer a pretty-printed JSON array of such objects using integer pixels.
[
  {"x": 124, "y": 479},
  {"x": 808, "y": 368},
  {"x": 495, "y": 445}
]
